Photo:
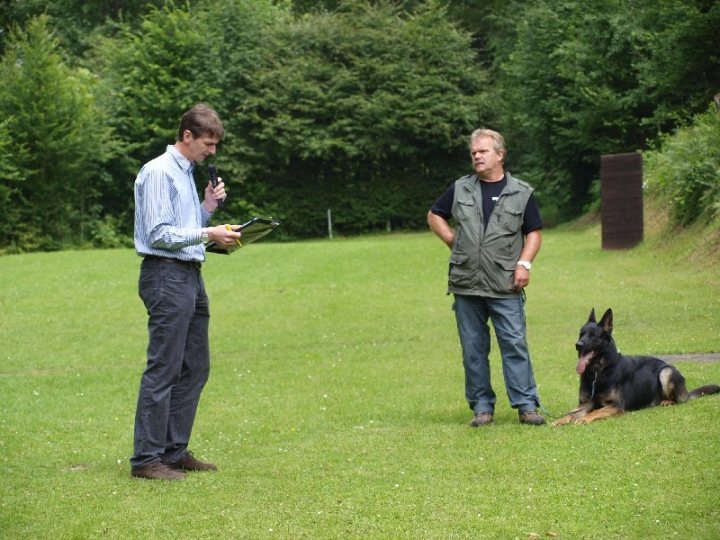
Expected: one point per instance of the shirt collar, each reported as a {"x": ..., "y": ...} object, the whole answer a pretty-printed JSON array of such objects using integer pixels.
[{"x": 186, "y": 165}]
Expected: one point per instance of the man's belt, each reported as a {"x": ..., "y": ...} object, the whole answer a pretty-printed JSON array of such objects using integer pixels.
[{"x": 170, "y": 260}]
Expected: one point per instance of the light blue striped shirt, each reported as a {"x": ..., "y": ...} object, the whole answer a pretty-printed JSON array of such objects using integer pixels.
[{"x": 168, "y": 215}]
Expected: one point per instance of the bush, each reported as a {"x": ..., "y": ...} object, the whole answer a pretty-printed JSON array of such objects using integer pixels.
[{"x": 686, "y": 170}]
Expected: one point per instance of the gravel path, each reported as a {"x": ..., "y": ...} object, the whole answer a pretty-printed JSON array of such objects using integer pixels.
[{"x": 710, "y": 357}]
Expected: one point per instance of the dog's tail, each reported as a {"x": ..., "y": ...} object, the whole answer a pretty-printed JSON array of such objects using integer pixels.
[{"x": 705, "y": 391}]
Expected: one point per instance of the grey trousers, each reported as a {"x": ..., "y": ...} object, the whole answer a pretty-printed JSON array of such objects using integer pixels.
[{"x": 178, "y": 360}]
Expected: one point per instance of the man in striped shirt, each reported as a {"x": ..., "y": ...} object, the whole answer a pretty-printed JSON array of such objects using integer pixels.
[{"x": 171, "y": 230}]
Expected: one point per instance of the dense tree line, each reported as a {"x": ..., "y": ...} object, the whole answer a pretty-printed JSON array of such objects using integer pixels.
[{"x": 361, "y": 107}]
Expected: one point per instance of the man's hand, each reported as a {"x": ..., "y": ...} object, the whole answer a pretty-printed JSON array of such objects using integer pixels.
[
  {"x": 521, "y": 278},
  {"x": 225, "y": 236},
  {"x": 212, "y": 194}
]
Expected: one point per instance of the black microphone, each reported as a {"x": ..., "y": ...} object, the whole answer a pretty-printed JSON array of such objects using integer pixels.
[{"x": 212, "y": 171}]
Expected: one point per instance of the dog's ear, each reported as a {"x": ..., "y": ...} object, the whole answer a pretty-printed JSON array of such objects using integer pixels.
[
  {"x": 607, "y": 321},
  {"x": 591, "y": 318}
]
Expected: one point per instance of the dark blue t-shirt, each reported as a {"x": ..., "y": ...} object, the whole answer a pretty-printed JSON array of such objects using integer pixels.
[{"x": 490, "y": 193}]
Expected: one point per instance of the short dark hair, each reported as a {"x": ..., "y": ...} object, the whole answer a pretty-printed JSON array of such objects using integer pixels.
[{"x": 201, "y": 121}]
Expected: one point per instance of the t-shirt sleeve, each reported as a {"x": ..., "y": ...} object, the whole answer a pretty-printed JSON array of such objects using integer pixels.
[
  {"x": 531, "y": 219},
  {"x": 443, "y": 206}
]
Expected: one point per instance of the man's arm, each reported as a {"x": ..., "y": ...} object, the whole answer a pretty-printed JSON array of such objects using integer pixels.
[
  {"x": 442, "y": 228},
  {"x": 532, "y": 245}
]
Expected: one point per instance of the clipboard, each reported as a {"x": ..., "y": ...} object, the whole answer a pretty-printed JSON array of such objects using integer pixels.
[{"x": 251, "y": 231}]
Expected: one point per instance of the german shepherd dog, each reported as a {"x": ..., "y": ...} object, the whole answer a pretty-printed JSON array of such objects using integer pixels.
[{"x": 611, "y": 383}]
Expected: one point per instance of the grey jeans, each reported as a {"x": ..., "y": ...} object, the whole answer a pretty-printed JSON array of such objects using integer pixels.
[
  {"x": 508, "y": 319},
  {"x": 178, "y": 360}
]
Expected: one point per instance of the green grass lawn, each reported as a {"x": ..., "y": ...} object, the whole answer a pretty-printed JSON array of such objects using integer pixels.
[{"x": 335, "y": 406}]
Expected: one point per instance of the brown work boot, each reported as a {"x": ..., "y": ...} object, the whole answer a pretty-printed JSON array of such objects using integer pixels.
[
  {"x": 532, "y": 418},
  {"x": 189, "y": 463},
  {"x": 482, "y": 419},
  {"x": 157, "y": 470}
]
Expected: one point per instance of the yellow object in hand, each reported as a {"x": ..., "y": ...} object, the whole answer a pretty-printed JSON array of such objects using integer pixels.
[{"x": 229, "y": 228}]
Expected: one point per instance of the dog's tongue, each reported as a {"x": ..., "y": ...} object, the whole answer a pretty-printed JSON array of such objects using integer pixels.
[{"x": 583, "y": 362}]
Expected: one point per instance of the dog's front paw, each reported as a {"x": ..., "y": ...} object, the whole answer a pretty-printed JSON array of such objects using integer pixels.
[
  {"x": 584, "y": 420},
  {"x": 563, "y": 421}
]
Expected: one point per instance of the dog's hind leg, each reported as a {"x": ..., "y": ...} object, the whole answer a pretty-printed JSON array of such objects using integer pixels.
[{"x": 674, "y": 389}]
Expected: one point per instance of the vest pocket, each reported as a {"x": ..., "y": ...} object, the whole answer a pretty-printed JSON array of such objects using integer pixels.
[
  {"x": 458, "y": 272},
  {"x": 501, "y": 279},
  {"x": 511, "y": 220},
  {"x": 465, "y": 209}
]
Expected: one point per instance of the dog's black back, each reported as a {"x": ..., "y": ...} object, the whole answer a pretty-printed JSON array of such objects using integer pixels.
[{"x": 611, "y": 383}]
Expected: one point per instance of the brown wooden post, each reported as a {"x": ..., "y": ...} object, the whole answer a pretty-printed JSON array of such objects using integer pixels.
[{"x": 621, "y": 200}]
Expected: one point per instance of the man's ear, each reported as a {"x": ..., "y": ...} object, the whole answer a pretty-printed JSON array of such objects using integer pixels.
[{"x": 187, "y": 136}]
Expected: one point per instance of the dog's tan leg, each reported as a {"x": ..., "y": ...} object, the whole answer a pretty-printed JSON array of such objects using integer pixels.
[
  {"x": 599, "y": 414},
  {"x": 573, "y": 415},
  {"x": 563, "y": 421},
  {"x": 667, "y": 402}
]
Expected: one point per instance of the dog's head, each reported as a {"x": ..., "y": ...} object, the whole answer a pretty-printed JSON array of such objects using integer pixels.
[{"x": 595, "y": 338}]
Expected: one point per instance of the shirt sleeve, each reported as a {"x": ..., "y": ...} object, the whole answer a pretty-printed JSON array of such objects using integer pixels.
[
  {"x": 443, "y": 206},
  {"x": 206, "y": 216},
  {"x": 531, "y": 219}
]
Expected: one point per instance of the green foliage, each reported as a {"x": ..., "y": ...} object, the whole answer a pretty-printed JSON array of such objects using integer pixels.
[
  {"x": 679, "y": 65},
  {"x": 686, "y": 170},
  {"x": 10, "y": 178},
  {"x": 107, "y": 233},
  {"x": 587, "y": 79},
  {"x": 246, "y": 36},
  {"x": 74, "y": 21},
  {"x": 364, "y": 111},
  {"x": 60, "y": 140},
  {"x": 358, "y": 106},
  {"x": 156, "y": 73},
  {"x": 177, "y": 57},
  {"x": 335, "y": 405}
]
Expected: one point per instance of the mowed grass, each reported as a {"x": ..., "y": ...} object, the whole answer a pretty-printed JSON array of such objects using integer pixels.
[{"x": 335, "y": 406}]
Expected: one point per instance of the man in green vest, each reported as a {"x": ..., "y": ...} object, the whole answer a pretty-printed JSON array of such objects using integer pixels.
[{"x": 497, "y": 235}]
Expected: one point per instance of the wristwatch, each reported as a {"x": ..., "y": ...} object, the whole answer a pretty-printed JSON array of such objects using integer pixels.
[
  {"x": 205, "y": 237},
  {"x": 525, "y": 264}
]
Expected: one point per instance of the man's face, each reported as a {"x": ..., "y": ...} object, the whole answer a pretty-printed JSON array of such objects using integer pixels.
[
  {"x": 486, "y": 161},
  {"x": 198, "y": 148}
]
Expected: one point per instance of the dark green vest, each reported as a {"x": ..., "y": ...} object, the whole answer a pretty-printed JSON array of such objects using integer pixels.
[{"x": 483, "y": 261}]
